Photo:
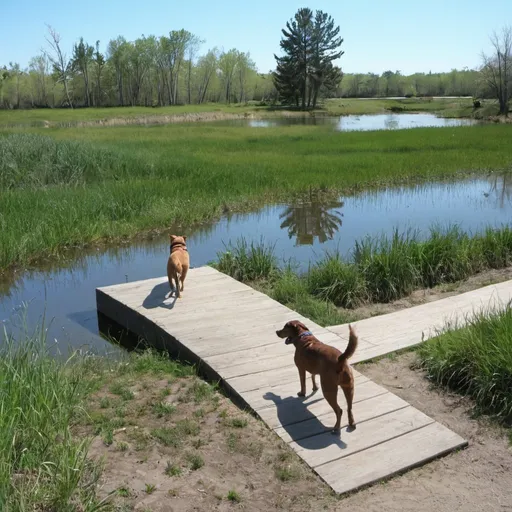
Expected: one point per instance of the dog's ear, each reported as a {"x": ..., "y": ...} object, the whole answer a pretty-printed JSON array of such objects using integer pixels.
[
  {"x": 184, "y": 237},
  {"x": 296, "y": 325},
  {"x": 301, "y": 325},
  {"x": 172, "y": 238}
]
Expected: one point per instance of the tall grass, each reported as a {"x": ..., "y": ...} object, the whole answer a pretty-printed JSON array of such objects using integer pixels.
[
  {"x": 257, "y": 264},
  {"x": 248, "y": 262},
  {"x": 37, "y": 161},
  {"x": 476, "y": 361},
  {"x": 75, "y": 186},
  {"x": 42, "y": 466},
  {"x": 386, "y": 269},
  {"x": 379, "y": 270}
]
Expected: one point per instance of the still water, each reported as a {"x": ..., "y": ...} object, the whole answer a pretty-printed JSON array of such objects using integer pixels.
[
  {"x": 301, "y": 231},
  {"x": 356, "y": 122}
]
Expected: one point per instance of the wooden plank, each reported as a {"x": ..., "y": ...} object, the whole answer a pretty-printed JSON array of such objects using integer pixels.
[
  {"x": 263, "y": 379},
  {"x": 230, "y": 329},
  {"x": 272, "y": 396},
  {"x": 363, "y": 409},
  {"x": 324, "y": 448},
  {"x": 267, "y": 351},
  {"x": 238, "y": 324},
  {"x": 253, "y": 360},
  {"x": 190, "y": 304},
  {"x": 409, "y": 327},
  {"x": 389, "y": 458},
  {"x": 161, "y": 292},
  {"x": 292, "y": 410},
  {"x": 252, "y": 308}
]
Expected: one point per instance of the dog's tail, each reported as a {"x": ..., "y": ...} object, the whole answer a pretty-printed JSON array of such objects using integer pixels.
[{"x": 351, "y": 347}]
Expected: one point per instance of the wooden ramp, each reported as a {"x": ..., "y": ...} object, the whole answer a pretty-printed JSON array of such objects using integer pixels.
[
  {"x": 229, "y": 329},
  {"x": 397, "y": 331}
]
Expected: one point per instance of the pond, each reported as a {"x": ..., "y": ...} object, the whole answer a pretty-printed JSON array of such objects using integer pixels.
[
  {"x": 65, "y": 292},
  {"x": 350, "y": 123}
]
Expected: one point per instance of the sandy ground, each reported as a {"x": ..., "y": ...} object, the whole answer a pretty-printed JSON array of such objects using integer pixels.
[
  {"x": 223, "y": 453},
  {"x": 217, "y": 457}
]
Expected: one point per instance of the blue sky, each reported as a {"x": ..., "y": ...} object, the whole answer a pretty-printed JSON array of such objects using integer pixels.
[{"x": 405, "y": 35}]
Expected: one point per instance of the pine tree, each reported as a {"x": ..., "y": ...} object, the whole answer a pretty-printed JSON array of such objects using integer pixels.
[{"x": 310, "y": 45}]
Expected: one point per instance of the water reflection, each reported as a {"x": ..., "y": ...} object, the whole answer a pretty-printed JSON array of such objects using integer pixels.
[
  {"x": 391, "y": 121},
  {"x": 63, "y": 290},
  {"x": 314, "y": 219},
  {"x": 501, "y": 188}
]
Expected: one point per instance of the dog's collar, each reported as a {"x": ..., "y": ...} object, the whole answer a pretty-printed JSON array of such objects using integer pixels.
[
  {"x": 301, "y": 335},
  {"x": 178, "y": 245}
]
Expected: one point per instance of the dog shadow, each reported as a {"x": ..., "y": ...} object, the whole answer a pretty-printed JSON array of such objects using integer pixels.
[
  {"x": 159, "y": 295},
  {"x": 308, "y": 432}
]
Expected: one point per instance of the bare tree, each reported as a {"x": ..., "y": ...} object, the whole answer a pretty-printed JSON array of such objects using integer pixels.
[
  {"x": 206, "y": 66},
  {"x": 81, "y": 63},
  {"x": 227, "y": 65},
  {"x": 16, "y": 72},
  {"x": 61, "y": 65},
  {"x": 40, "y": 67},
  {"x": 99, "y": 62},
  {"x": 192, "y": 48},
  {"x": 497, "y": 68}
]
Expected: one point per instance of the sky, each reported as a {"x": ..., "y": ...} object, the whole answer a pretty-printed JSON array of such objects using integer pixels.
[{"x": 405, "y": 35}]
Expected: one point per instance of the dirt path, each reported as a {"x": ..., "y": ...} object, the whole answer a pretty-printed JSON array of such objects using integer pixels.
[
  {"x": 180, "y": 445},
  {"x": 477, "y": 478}
]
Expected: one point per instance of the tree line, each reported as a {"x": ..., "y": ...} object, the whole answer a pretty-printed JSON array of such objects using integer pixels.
[
  {"x": 170, "y": 70},
  {"x": 150, "y": 71},
  {"x": 465, "y": 82}
]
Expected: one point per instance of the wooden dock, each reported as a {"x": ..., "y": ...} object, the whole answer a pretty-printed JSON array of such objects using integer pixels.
[{"x": 229, "y": 329}]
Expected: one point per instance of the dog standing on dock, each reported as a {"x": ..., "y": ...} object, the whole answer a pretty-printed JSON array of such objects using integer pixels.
[
  {"x": 178, "y": 263},
  {"x": 317, "y": 358}
]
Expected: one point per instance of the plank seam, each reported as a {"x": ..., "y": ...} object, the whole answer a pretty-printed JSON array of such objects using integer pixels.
[
  {"x": 343, "y": 426},
  {"x": 377, "y": 444}
]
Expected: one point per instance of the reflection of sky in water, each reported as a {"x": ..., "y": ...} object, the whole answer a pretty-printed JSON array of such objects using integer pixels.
[
  {"x": 302, "y": 232},
  {"x": 357, "y": 123}
]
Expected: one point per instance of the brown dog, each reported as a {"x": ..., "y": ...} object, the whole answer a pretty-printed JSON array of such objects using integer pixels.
[
  {"x": 178, "y": 263},
  {"x": 317, "y": 358}
]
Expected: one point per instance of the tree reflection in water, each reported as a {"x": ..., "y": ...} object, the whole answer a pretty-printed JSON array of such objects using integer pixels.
[
  {"x": 501, "y": 188},
  {"x": 316, "y": 218}
]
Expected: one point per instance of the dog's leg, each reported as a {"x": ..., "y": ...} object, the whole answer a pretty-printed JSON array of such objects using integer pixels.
[
  {"x": 332, "y": 399},
  {"x": 302, "y": 377},
  {"x": 349, "y": 396},
  {"x": 177, "y": 281},
  {"x": 183, "y": 275},
  {"x": 313, "y": 380}
]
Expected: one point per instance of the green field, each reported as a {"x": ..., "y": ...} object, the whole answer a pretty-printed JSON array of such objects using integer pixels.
[
  {"x": 73, "y": 186},
  {"x": 476, "y": 361},
  {"x": 63, "y": 117}
]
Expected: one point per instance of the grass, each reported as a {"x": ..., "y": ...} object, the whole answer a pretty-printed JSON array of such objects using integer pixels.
[
  {"x": 150, "y": 488},
  {"x": 42, "y": 466},
  {"x": 118, "y": 115},
  {"x": 64, "y": 188},
  {"x": 234, "y": 497},
  {"x": 248, "y": 262},
  {"x": 476, "y": 361},
  {"x": 172, "y": 469},
  {"x": 162, "y": 409},
  {"x": 379, "y": 270},
  {"x": 175, "y": 435},
  {"x": 195, "y": 461},
  {"x": 238, "y": 422}
]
